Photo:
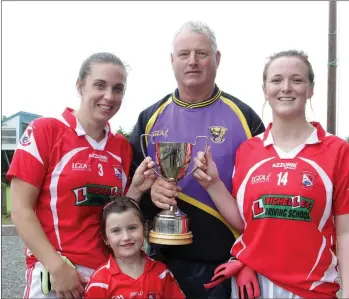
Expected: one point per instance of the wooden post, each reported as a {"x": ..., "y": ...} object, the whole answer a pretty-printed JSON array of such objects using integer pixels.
[{"x": 332, "y": 68}]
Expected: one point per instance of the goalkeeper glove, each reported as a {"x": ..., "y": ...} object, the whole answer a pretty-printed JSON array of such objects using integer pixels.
[
  {"x": 225, "y": 271},
  {"x": 246, "y": 279},
  {"x": 247, "y": 284}
]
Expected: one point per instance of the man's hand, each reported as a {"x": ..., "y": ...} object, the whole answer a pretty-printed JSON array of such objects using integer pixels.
[
  {"x": 163, "y": 193},
  {"x": 225, "y": 271}
]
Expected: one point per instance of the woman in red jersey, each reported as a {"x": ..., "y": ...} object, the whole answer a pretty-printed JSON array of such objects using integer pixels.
[
  {"x": 62, "y": 174},
  {"x": 129, "y": 273},
  {"x": 290, "y": 192}
]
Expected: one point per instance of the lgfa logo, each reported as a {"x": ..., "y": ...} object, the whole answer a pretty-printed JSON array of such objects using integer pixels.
[
  {"x": 260, "y": 179},
  {"x": 81, "y": 167}
]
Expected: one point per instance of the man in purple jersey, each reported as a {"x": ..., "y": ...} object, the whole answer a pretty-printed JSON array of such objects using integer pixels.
[{"x": 196, "y": 108}]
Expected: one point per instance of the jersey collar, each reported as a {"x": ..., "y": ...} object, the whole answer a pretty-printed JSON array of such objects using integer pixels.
[
  {"x": 215, "y": 95},
  {"x": 71, "y": 121},
  {"x": 317, "y": 136},
  {"x": 114, "y": 268}
]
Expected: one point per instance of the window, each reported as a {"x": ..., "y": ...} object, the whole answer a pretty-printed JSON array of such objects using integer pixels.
[{"x": 8, "y": 135}]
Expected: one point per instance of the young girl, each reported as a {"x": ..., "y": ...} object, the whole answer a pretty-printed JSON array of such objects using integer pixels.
[{"x": 129, "y": 273}]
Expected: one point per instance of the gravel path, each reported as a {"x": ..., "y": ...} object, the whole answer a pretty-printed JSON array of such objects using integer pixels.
[{"x": 12, "y": 267}]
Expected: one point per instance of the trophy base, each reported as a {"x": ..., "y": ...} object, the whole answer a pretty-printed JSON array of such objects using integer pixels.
[{"x": 170, "y": 239}]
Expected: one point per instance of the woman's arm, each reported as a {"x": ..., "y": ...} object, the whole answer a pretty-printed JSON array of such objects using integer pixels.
[
  {"x": 64, "y": 277},
  {"x": 23, "y": 200},
  {"x": 207, "y": 176},
  {"x": 226, "y": 205},
  {"x": 142, "y": 180},
  {"x": 342, "y": 232}
]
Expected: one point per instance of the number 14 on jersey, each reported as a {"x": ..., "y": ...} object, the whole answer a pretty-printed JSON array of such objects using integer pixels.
[{"x": 282, "y": 178}]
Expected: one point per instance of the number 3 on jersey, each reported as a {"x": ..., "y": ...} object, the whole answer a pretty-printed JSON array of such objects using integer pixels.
[
  {"x": 100, "y": 169},
  {"x": 282, "y": 178}
]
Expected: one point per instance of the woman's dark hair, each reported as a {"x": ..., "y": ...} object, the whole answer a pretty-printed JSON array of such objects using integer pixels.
[
  {"x": 120, "y": 205},
  {"x": 103, "y": 57}
]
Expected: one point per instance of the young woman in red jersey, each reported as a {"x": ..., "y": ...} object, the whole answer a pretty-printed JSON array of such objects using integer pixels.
[
  {"x": 290, "y": 193},
  {"x": 63, "y": 173},
  {"x": 129, "y": 273}
]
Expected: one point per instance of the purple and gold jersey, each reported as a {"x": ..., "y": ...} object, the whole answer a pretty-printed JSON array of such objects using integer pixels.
[{"x": 226, "y": 122}]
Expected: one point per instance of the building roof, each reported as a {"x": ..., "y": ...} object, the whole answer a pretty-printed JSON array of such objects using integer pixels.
[{"x": 21, "y": 113}]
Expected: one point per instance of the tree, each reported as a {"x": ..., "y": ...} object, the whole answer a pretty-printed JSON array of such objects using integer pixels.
[
  {"x": 3, "y": 119},
  {"x": 346, "y": 139},
  {"x": 123, "y": 132}
]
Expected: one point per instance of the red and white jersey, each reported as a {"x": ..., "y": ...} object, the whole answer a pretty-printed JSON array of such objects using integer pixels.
[
  {"x": 76, "y": 176},
  {"x": 156, "y": 282},
  {"x": 288, "y": 201}
]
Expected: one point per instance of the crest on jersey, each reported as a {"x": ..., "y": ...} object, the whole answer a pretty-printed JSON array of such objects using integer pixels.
[
  {"x": 217, "y": 133},
  {"x": 26, "y": 137},
  {"x": 153, "y": 295},
  {"x": 117, "y": 172},
  {"x": 307, "y": 179}
]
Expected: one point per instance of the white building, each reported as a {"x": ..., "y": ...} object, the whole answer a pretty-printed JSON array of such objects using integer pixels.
[{"x": 12, "y": 129}]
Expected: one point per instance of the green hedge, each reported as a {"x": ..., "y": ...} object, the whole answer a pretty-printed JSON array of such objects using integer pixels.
[{"x": 8, "y": 199}]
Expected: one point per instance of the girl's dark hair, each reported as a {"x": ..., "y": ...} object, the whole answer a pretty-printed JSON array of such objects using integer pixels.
[
  {"x": 119, "y": 205},
  {"x": 290, "y": 53}
]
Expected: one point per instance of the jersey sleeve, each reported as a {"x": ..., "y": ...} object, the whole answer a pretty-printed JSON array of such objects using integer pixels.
[
  {"x": 255, "y": 123},
  {"x": 30, "y": 161},
  {"x": 126, "y": 162},
  {"x": 171, "y": 289},
  {"x": 97, "y": 287},
  {"x": 341, "y": 184}
]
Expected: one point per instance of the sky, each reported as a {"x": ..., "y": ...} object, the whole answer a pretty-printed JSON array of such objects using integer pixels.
[{"x": 44, "y": 44}]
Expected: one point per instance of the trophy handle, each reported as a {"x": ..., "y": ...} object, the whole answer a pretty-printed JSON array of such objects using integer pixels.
[
  {"x": 194, "y": 168},
  {"x": 143, "y": 151}
]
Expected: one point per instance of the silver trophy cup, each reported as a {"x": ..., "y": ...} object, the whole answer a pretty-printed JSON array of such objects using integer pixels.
[{"x": 171, "y": 227}]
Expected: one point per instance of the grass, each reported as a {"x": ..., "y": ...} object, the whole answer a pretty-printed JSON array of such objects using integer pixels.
[
  {"x": 6, "y": 219},
  {"x": 8, "y": 198}
]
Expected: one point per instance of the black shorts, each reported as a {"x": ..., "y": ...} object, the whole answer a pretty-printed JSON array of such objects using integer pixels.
[{"x": 191, "y": 276}]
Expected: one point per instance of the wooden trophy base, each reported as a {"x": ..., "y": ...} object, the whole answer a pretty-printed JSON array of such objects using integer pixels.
[{"x": 170, "y": 239}]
